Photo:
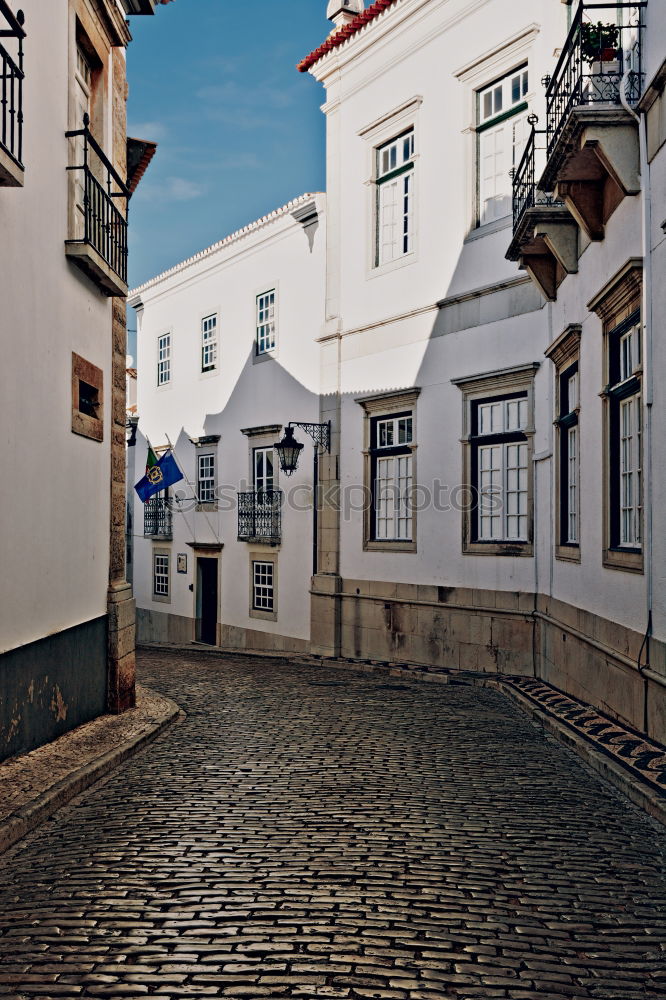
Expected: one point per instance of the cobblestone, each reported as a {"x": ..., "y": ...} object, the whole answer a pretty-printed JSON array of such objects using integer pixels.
[{"x": 304, "y": 833}]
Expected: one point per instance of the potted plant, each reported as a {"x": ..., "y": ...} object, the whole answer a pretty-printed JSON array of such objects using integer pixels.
[{"x": 599, "y": 42}]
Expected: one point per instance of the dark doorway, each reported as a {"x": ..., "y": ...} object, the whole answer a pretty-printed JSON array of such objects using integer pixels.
[{"x": 207, "y": 601}]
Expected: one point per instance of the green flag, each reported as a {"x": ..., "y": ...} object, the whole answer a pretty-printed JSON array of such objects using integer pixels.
[{"x": 151, "y": 459}]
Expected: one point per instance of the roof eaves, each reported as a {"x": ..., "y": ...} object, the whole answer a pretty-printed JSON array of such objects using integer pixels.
[{"x": 343, "y": 34}]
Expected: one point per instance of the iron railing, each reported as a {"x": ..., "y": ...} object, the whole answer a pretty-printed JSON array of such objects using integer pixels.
[
  {"x": 157, "y": 517},
  {"x": 604, "y": 43},
  {"x": 526, "y": 191},
  {"x": 11, "y": 84},
  {"x": 104, "y": 225},
  {"x": 260, "y": 516}
]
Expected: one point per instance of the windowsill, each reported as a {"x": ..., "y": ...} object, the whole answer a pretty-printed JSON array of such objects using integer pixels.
[
  {"x": 260, "y": 540},
  {"x": 392, "y": 265},
  {"x": 162, "y": 599},
  {"x": 568, "y": 553},
  {"x": 210, "y": 506},
  {"x": 210, "y": 373},
  {"x": 515, "y": 549},
  {"x": 258, "y": 359},
  {"x": 267, "y": 616},
  {"x": 389, "y": 545},
  {"x": 627, "y": 560},
  {"x": 488, "y": 228},
  {"x": 165, "y": 385}
]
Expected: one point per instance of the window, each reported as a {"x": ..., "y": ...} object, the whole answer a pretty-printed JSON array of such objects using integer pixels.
[
  {"x": 160, "y": 574},
  {"x": 164, "y": 359},
  {"x": 625, "y": 433},
  {"x": 266, "y": 326},
  {"x": 502, "y": 130},
  {"x": 87, "y": 399},
  {"x": 206, "y": 478},
  {"x": 263, "y": 597},
  {"x": 618, "y": 306},
  {"x": 209, "y": 343},
  {"x": 498, "y": 427},
  {"x": 569, "y": 457},
  {"x": 263, "y": 470},
  {"x": 500, "y": 469},
  {"x": 391, "y": 440},
  {"x": 395, "y": 198}
]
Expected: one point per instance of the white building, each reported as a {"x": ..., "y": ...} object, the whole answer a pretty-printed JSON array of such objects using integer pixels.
[
  {"x": 66, "y": 612},
  {"x": 227, "y": 356},
  {"x": 489, "y": 502}
]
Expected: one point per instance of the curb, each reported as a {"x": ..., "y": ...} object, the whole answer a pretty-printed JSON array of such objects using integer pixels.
[
  {"x": 623, "y": 780},
  {"x": 30, "y": 816},
  {"x": 647, "y": 799}
]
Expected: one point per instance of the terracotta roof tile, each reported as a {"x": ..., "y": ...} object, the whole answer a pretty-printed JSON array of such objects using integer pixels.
[{"x": 344, "y": 33}]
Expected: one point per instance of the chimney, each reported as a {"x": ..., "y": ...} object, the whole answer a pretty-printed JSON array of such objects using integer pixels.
[{"x": 341, "y": 12}]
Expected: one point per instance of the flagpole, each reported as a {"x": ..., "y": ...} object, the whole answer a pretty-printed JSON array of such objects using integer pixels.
[{"x": 194, "y": 492}]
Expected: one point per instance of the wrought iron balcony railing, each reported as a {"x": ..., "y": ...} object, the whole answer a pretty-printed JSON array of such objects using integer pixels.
[
  {"x": 11, "y": 83},
  {"x": 603, "y": 45},
  {"x": 260, "y": 516},
  {"x": 101, "y": 224},
  {"x": 157, "y": 517},
  {"x": 526, "y": 192}
]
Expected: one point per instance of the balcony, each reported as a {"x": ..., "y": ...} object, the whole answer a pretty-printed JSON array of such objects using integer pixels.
[
  {"x": 592, "y": 147},
  {"x": 260, "y": 517},
  {"x": 157, "y": 518},
  {"x": 12, "y": 34},
  {"x": 545, "y": 235},
  {"x": 99, "y": 242}
]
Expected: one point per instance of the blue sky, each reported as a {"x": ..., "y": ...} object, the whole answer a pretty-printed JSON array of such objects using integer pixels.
[{"x": 239, "y": 130}]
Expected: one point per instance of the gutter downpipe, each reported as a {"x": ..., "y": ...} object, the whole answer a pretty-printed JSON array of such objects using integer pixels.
[{"x": 646, "y": 198}]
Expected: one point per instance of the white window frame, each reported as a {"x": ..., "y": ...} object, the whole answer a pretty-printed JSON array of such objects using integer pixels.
[
  {"x": 395, "y": 196},
  {"x": 509, "y": 426},
  {"x": 263, "y": 588},
  {"x": 266, "y": 322},
  {"x": 209, "y": 346},
  {"x": 164, "y": 359},
  {"x": 206, "y": 477},
  {"x": 630, "y": 471},
  {"x": 260, "y": 478},
  {"x": 161, "y": 575},
  {"x": 502, "y": 133},
  {"x": 502, "y": 471}
]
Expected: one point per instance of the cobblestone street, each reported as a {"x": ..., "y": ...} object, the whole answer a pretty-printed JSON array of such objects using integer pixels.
[{"x": 312, "y": 832}]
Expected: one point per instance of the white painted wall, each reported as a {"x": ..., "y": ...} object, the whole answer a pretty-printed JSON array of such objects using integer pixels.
[
  {"x": 55, "y": 494},
  {"x": 441, "y": 53},
  {"x": 241, "y": 393}
]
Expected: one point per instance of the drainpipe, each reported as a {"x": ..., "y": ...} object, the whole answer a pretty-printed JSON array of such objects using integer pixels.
[{"x": 648, "y": 378}]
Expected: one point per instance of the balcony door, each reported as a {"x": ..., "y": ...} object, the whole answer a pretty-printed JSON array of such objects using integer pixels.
[
  {"x": 207, "y": 600},
  {"x": 82, "y": 105},
  {"x": 263, "y": 470}
]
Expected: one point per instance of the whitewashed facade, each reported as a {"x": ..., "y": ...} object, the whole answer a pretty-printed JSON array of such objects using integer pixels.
[
  {"x": 489, "y": 502},
  {"x": 66, "y": 611},
  {"x": 227, "y": 356}
]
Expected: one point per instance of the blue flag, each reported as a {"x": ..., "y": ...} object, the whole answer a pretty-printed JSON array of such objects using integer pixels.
[{"x": 165, "y": 473}]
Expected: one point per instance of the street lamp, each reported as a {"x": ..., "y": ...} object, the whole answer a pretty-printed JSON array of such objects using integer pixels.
[{"x": 289, "y": 451}]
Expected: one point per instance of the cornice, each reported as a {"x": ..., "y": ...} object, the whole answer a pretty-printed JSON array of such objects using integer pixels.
[
  {"x": 622, "y": 288},
  {"x": 240, "y": 234},
  {"x": 396, "y": 397},
  {"x": 566, "y": 346}
]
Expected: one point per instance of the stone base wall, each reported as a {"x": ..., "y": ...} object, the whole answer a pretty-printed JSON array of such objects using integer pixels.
[
  {"x": 488, "y": 631},
  {"x": 51, "y": 686},
  {"x": 160, "y": 626}
]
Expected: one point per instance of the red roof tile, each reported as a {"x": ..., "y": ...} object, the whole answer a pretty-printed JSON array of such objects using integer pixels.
[{"x": 342, "y": 34}]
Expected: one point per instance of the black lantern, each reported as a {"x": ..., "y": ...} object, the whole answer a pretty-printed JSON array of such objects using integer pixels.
[{"x": 288, "y": 450}]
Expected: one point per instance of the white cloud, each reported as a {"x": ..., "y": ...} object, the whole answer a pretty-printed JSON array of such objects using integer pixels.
[
  {"x": 151, "y": 131},
  {"x": 172, "y": 189}
]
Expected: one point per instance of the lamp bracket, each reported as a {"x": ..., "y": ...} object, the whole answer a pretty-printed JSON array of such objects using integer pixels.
[{"x": 320, "y": 433}]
